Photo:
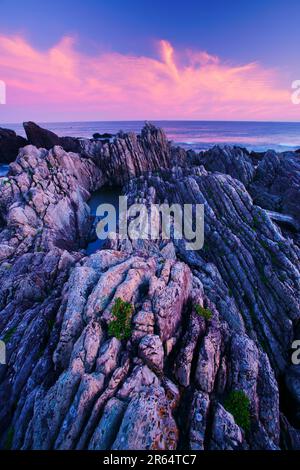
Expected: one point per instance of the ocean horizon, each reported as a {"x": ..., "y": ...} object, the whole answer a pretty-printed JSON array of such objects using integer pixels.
[{"x": 197, "y": 135}]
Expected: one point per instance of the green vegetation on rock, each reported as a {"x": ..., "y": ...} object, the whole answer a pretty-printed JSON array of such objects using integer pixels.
[
  {"x": 8, "y": 335},
  {"x": 238, "y": 404},
  {"x": 9, "y": 438},
  {"x": 203, "y": 312},
  {"x": 120, "y": 326}
]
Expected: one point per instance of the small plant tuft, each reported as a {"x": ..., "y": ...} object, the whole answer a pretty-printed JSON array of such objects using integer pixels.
[
  {"x": 51, "y": 323},
  {"x": 9, "y": 334},
  {"x": 238, "y": 404},
  {"x": 9, "y": 438},
  {"x": 205, "y": 313},
  {"x": 120, "y": 326},
  {"x": 256, "y": 221}
]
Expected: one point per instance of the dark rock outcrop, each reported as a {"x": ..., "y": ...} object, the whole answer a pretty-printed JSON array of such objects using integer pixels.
[
  {"x": 39, "y": 137},
  {"x": 10, "y": 143},
  {"x": 70, "y": 144},
  {"x": 43, "y": 138},
  {"x": 106, "y": 135}
]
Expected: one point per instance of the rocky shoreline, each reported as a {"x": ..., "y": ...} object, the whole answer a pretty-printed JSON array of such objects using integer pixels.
[{"x": 69, "y": 384}]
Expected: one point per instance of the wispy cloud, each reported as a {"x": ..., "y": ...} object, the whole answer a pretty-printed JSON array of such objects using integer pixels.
[{"x": 175, "y": 85}]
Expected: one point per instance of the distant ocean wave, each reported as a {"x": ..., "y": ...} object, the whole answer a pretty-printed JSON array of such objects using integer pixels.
[
  {"x": 288, "y": 144},
  {"x": 201, "y": 146},
  {"x": 197, "y": 135}
]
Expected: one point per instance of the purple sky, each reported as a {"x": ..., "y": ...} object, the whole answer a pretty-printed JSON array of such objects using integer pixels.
[{"x": 182, "y": 54}]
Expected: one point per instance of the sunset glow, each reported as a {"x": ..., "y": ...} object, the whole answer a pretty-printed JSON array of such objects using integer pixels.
[{"x": 173, "y": 84}]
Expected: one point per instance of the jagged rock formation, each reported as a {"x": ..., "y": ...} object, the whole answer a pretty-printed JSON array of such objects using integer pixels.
[
  {"x": 130, "y": 155},
  {"x": 10, "y": 143},
  {"x": 69, "y": 384},
  {"x": 232, "y": 161},
  {"x": 276, "y": 185}
]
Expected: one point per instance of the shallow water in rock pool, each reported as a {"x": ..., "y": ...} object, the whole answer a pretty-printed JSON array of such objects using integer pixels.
[
  {"x": 3, "y": 170},
  {"x": 102, "y": 196}
]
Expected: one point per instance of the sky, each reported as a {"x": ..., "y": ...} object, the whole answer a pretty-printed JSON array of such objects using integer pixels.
[{"x": 135, "y": 60}]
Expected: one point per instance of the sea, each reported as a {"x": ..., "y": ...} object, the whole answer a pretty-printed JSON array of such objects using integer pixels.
[{"x": 196, "y": 135}]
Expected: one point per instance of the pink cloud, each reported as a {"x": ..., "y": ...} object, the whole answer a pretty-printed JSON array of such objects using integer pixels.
[{"x": 176, "y": 85}]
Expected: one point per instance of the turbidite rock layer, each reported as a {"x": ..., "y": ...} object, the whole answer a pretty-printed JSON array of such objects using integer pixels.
[
  {"x": 68, "y": 383},
  {"x": 276, "y": 185},
  {"x": 248, "y": 268},
  {"x": 233, "y": 161}
]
